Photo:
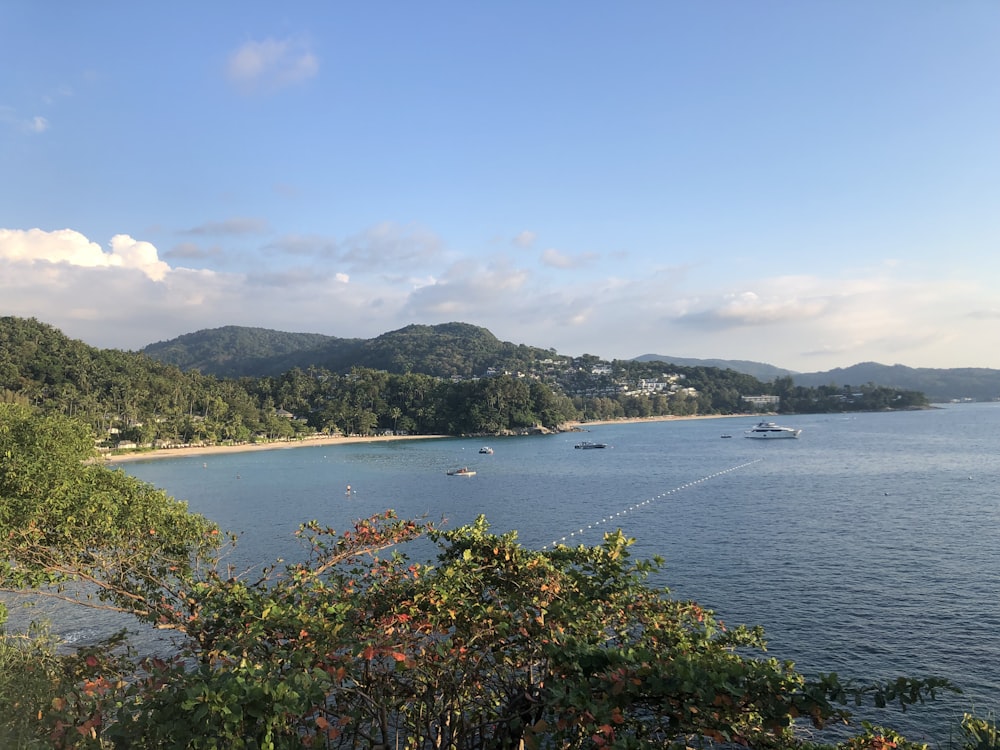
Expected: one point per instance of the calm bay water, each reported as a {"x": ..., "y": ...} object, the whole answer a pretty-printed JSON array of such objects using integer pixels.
[{"x": 869, "y": 547}]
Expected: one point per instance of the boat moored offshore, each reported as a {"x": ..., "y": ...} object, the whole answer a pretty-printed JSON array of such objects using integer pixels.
[{"x": 771, "y": 431}]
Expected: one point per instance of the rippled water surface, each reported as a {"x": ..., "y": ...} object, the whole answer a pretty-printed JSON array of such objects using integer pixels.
[{"x": 868, "y": 547}]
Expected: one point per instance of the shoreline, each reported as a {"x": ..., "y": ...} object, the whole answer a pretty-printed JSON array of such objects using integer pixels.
[
  {"x": 207, "y": 450},
  {"x": 664, "y": 418}
]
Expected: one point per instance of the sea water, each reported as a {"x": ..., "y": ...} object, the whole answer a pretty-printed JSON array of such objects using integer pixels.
[{"x": 867, "y": 547}]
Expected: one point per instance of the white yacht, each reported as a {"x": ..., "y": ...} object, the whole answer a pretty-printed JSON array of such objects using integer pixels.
[{"x": 771, "y": 431}]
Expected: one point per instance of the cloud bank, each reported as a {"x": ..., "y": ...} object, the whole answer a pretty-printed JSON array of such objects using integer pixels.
[{"x": 125, "y": 295}]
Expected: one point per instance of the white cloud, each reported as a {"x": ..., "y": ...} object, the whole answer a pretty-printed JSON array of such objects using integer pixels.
[
  {"x": 748, "y": 308},
  {"x": 10, "y": 117},
  {"x": 992, "y": 313},
  {"x": 36, "y": 125},
  {"x": 882, "y": 317},
  {"x": 525, "y": 239},
  {"x": 388, "y": 247},
  {"x": 421, "y": 281},
  {"x": 67, "y": 246},
  {"x": 472, "y": 292},
  {"x": 61, "y": 92},
  {"x": 271, "y": 64},
  {"x": 557, "y": 259}
]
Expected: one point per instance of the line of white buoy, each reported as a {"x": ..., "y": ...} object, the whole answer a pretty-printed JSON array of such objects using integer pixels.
[{"x": 639, "y": 505}]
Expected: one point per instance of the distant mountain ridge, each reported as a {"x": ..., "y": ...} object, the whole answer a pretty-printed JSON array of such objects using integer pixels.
[
  {"x": 464, "y": 350},
  {"x": 939, "y": 385},
  {"x": 759, "y": 370}
]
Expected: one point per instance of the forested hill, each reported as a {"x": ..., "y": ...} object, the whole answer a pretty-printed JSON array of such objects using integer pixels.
[
  {"x": 445, "y": 350},
  {"x": 237, "y": 351},
  {"x": 132, "y": 400}
]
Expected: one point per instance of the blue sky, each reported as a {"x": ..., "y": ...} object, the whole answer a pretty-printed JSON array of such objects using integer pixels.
[{"x": 810, "y": 184}]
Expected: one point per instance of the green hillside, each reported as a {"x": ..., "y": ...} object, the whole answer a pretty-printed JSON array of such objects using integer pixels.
[
  {"x": 235, "y": 351},
  {"x": 445, "y": 350}
]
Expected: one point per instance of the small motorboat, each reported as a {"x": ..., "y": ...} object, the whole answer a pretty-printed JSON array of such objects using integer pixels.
[
  {"x": 587, "y": 445},
  {"x": 486, "y": 449},
  {"x": 465, "y": 471}
]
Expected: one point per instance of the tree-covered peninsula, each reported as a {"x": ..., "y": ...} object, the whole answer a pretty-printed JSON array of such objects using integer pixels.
[{"x": 452, "y": 379}]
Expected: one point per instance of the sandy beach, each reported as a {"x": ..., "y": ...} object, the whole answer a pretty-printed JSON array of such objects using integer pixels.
[
  {"x": 207, "y": 450},
  {"x": 347, "y": 440}
]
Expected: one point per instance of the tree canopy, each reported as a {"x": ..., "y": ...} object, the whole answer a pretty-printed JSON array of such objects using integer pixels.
[{"x": 77, "y": 530}]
